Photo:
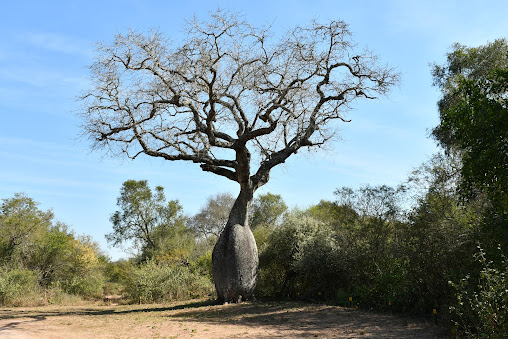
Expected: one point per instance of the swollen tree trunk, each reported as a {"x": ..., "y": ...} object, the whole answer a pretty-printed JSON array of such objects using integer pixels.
[{"x": 235, "y": 255}]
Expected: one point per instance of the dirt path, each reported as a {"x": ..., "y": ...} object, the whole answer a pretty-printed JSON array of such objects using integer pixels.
[{"x": 193, "y": 319}]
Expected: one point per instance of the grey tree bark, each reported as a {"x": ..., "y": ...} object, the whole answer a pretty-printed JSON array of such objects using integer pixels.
[
  {"x": 228, "y": 98},
  {"x": 235, "y": 255}
]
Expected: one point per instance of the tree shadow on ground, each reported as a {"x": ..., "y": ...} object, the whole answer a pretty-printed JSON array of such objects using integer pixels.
[
  {"x": 298, "y": 318},
  {"x": 15, "y": 324},
  {"x": 306, "y": 320},
  {"x": 43, "y": 312}
]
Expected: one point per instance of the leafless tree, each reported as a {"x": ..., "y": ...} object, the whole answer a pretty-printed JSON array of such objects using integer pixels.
[
  {"x": 233, "y": 99},
  {"x": 211, "y": 218}
]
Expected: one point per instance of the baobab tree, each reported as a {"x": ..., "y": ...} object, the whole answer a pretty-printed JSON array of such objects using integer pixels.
[{"x": 232, "y": 98}]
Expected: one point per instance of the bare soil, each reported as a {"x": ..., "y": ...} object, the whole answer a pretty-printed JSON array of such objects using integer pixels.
[{"x": 203, "y": 319}]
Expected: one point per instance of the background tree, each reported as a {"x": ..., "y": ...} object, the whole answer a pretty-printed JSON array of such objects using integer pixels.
[
  {"x": 145, "y": 217},
  {"x": 474, "y": 117},
  {"x": 38, "y": 253},
  {"x": 332, "y": 213},
  {"x": 380, "y": 202},
  {"x": 473, "y": 129},
  {"x": 480, "y": 123},
  {"x": 473, "y": 63},
  {"x": 233, "y": 100},
  {"x": 211, "y": 218},
  {"x": 267, "y": 210},
  {"x": 22, "y": 224}
]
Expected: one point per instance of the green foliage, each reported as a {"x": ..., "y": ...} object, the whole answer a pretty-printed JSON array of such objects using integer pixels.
[
  {"x": 474, "y": 118},
  {"x": 332, "y": 213},
  {"x": 33, "y": 245},
  {"x": 365, "y": 246},
  {"x": 55, "y": 295},
  {"x": 296, "y": 261},
  {"x": 436, "y": 244},
  {"x": 473, "y": 129},
  {"x": 267, "y": 209},
  {"x": 203, "y": 265},
  {"x": 162, "y": 282},
  {"x": 118, "y": 271},
  {"x": 117, "y": 274},
  {"x": 16, "y": 284},
  {"x": 262, "y": 235},
  {"x": 480, "y": 309},
  {"x": 146, "y": 218},
  {"x": 70, "y": 263},
  {"x": 471, "y": 63},
  {"x": 51, "y": 257},
  {"x": 380, "y": 202},
  {"x": 82, "y": 273},
  {"x": 173, "y": 244},
  {"x": 479, "y": 120},
  {"x": 21, "y": 225},
  {"x": 90, "y": 285}
]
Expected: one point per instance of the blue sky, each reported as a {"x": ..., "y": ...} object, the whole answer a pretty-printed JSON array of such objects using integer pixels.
[{"x": 46, "y": 47}]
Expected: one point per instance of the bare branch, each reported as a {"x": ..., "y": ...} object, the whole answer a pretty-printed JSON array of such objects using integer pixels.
[{"x": 228, "y": 92}]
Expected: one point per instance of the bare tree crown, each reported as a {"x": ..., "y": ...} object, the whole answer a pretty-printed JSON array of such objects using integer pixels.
[{"x": 226, "y": 92}]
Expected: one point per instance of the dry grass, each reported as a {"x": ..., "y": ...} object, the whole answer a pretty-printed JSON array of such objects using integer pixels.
[{"x": 203, "y": 319}]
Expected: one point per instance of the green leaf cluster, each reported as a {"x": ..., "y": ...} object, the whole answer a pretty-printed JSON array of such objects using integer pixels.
[
  {"x": 38, "y": 253},
  {"x": 474, "y": 118}
]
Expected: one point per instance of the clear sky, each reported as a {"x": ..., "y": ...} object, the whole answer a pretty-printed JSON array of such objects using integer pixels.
[{"x": 47, "y": 46}]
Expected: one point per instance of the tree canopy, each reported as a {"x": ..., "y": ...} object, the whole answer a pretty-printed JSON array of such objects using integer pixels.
[
  {"x": 229, "y": 90},
  {"x": 21, "y": 224},
  {"x": 464, "y": 63},
  {"x": 267, "y": 209},
  {"x": 480, "y": 122},
  {"x": 144, "y": 216},
  {"x": 474, "y": 117}
]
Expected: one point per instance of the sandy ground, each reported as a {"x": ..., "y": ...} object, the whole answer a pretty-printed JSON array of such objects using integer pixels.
[{"x": 202, "y": 319}]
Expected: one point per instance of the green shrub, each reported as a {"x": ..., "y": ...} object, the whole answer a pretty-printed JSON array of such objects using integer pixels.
[
  {"x": 56, "y": 295},
  {"x": 18, "y": 287},
  {"x": 262, "y": 234},
  {"x": 162, "y": 282},
  {"x": 113, "y": 288},
  {"x": 89, "y": 284},
  {"x": 301, "y": 260},
  {"x": 203, "y": 266},
  {"x": 380, "y": 263},
  {"x": 119, "y": 272},
  {"x": 481, "y": 305}
]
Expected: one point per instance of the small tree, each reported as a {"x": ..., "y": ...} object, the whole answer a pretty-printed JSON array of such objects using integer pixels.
[
  {"x": 229, "y": 98},
  {"x": 22, "y": 225},
  {"x": 145, "y": 217}
]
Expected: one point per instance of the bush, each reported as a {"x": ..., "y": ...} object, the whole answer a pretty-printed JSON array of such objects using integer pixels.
[
  {"x": 301, "y": 260},
  {"x": 162, "y": 282},
  {"x": 382, "y": 262},
  {"x": 89, "y": 284},
  {"x": 18, "y": 287},
  {"x": 56, "y": 295},
  {"x": 203, "y": 266},
  {"x": 481, "y": 305}
]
